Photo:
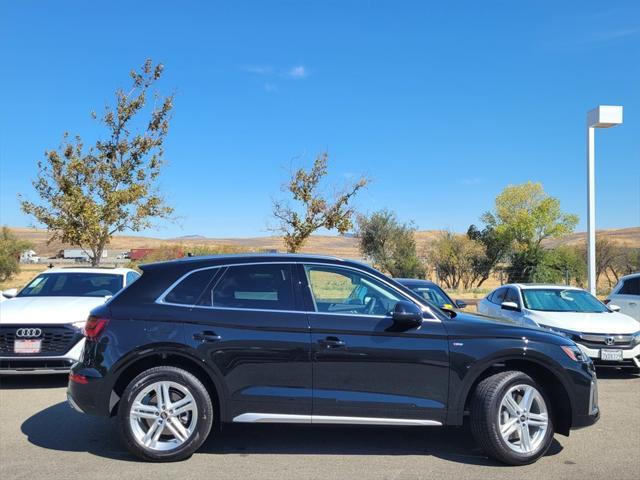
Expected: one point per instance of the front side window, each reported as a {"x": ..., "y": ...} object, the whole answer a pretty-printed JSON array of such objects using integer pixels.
[
  {"x": 558, "y": 300},
  {"x": 73, "y": 284},
  {"x": 190, "y": 289},
  {"x": 347, "y": 292},
  {"x": 497, "y": 297},
  {"x": 263, "y": 287},
  {"x": 512, "y": 296}
]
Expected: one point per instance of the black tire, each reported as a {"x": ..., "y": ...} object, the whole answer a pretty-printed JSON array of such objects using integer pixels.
[
  {"x": 485, "y": 408},
  {"x": 204, "y": 416}
]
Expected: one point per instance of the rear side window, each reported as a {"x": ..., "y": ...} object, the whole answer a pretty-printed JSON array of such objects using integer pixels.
[
  {"x": 265, "y": 287},
  {"x": 132, "y": 277},
  {"x": 189, "y": 290},
  {"x": 631, "y": 286}
]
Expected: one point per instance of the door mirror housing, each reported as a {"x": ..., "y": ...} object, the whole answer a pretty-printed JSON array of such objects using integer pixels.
[
  {"x": 406, "y": 315},
  {"x": 461, "y": 304},
  {"x": 614, "y": 308},
  {"x": 10, "y": 293},
  {"x": 511, "y": 306}
]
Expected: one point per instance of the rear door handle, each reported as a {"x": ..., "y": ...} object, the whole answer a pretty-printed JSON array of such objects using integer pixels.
[
  {"x": 332, "y": 342},
  {"x": 207, "y": 336}
]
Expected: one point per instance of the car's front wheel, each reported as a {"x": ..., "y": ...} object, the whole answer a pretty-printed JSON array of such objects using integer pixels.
[
  {"x": 165, "y": 414},
  {"x": 511, "y": 418}
]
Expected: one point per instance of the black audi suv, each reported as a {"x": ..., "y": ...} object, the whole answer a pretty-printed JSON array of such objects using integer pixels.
[{"x": 306, "y": 339}]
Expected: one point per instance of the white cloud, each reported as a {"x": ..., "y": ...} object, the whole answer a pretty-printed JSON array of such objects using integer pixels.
[{"x": 297, "y": 71}]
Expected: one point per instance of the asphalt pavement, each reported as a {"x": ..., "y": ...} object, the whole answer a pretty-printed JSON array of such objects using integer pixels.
[{"x": 41, "y": 437}]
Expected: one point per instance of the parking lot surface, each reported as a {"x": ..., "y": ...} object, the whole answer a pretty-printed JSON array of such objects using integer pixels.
[{"x": 41, "y": 437}]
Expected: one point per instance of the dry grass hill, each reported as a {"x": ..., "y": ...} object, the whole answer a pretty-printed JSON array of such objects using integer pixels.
[{"x": 342, "y": 246}]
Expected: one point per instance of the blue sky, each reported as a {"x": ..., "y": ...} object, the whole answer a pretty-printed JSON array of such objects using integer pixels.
[{"x": 442, "y": 104}]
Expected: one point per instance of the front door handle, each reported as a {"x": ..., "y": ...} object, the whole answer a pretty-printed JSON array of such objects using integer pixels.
[
  {"x": 207, "y": 336},
  {"x": 332, "y": 342}
]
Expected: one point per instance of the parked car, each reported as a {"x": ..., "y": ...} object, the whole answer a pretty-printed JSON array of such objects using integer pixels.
[
  {"x": 432, "y": 293},
  {"x": 626, "y": 294},
  {"x": 604, "y": 334},
  {"x": 285, "y": 339},
  {"x": 41, "y": 327}
]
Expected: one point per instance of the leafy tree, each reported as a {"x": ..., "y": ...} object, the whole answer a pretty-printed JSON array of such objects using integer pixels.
[
  {"x": 390, "y": 245},
  {"x": 628, "y": 262},
  {"x": 562, "y": 264},
  {"x": 496, "y": 247},
  {"x": 608, "y": 256},
  {"x": 315, "y": 210},
  {"x": 455, "y": 257},
  {"x": 87, "y": 195},
  {"x": 526, "y": 215},
  {"x": 10, "y": 249}
]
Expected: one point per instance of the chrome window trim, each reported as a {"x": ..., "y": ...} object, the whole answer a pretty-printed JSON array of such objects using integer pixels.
[{"x": 160, "y": 300}]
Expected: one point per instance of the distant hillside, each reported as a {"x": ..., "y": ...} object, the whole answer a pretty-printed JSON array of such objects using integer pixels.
[{"x": 341, "y": 246}]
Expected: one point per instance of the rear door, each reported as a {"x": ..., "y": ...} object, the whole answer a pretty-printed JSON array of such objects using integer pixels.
[
  {"x": 363, "y": 370},
  {"x": 247, "y": 325}
]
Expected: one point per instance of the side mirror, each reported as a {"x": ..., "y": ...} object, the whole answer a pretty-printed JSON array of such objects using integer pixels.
[
  {"x": 406, "y": 315},
  {"x": 461, "y": 304},
  {"x": 10, "y": 293},
  {"x": 511, "y": 306},
  {"x": 613, "y": 308}
]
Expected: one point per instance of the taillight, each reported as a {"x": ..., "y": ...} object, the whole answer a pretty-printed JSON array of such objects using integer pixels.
[
  {"x": 94, "y": 327},
  {"x": 77, "y": 378}
]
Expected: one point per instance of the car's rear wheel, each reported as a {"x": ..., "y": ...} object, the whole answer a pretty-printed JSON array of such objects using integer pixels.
[
  {"x": 165, "y": 414},
  {"x": 511, "y": 418}
]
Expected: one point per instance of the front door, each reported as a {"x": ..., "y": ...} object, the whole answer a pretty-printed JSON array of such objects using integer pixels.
[{"x": 364, "y": 370}]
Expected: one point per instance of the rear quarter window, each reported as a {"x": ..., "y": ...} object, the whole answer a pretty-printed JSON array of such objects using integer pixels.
[{"x": 190, "y": 289}]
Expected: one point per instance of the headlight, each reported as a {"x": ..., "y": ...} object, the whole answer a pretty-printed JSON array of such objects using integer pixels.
[
  {"x": 79, "y": 325},
  {"x": 575, "y": 353},
  {"x": 636, "y": 338}
]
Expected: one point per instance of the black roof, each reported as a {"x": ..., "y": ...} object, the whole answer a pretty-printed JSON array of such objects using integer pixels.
[{"x": 213, "y": 260}]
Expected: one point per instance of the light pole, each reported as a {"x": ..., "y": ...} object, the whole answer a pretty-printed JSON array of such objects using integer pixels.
[{"x": 603, "y": 116}]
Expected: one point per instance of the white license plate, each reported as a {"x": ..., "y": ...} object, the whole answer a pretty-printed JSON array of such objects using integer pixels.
[
  {"x": 611, "y": 355},
  {"x": 27, "y": 346}
]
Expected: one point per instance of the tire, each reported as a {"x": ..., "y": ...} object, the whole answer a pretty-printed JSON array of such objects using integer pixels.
[
  {"x": 491, "y": 411},
  {"x": 165, "y": 431}
]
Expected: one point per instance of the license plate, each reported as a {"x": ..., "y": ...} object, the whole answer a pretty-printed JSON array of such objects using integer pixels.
[
  {"x": 611, "y": 355},
  {"x": 27, "y": 346}
]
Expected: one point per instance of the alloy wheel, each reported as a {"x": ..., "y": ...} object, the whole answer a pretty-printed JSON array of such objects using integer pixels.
[
  {"x": 163, "y": 416},
  {"x": 523, "y": 419}
]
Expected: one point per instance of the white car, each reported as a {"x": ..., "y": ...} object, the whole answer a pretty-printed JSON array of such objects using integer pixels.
[
  {"x": 604, "y": 334},
  {"x": 626, "y": 294},
  {"x": 41, "y": 327}
]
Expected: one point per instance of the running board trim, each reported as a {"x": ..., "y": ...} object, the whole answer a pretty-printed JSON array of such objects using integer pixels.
[{"x": 326, "y": 419}]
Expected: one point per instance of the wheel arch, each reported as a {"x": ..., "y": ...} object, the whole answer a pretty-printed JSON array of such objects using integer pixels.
[
  {"x": 546, "y": 376},
  {"x": 173, "y": 358}
]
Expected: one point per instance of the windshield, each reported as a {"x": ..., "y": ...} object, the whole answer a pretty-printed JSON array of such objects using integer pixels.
[
  {"x": 433, "y": 294},
  {"x": 556, "y": 300},
  {"x": 76, "y": 284}
]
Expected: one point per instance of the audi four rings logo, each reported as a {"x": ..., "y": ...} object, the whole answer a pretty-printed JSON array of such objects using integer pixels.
[
  {"x": 28, "y": 332},
  {"x": 609, "y": 340}
]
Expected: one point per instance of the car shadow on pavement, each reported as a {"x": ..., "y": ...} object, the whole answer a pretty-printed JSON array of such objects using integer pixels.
[
  {"x": 60, "y": 428},
  {"x": 11, "y": 382},
  {"x": 613, "y": 373}
]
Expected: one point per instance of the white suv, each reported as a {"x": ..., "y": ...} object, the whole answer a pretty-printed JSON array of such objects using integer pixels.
[
  {"x": 626, "y": 294},
  {"x": 41, "y": 327},
  {"x": 604, "y": 334}
]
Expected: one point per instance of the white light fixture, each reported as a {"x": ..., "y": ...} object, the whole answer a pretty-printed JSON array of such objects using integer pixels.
[{"x": 603, "y": 116}]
